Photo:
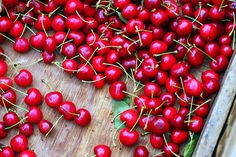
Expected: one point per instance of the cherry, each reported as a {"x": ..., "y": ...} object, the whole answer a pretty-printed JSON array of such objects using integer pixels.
[
  {"x": 3, "y": 68},
  {"x": 134, "y": 25},
  {"x": 143, "y": 14},
  {"x": 158, "y": 32},
  {"x": 85, "y": 72},
  {"x": 216, "y": 14},
  {"x": 149, "y": 67},
  {"x": 91, "y": 38},
  {"x": 168, "y": 98},
  {"x": 7, "y": 152},
  {"x": 169, "y": 38},
  {"x": 102, "y": 47},
  {"x": 179, "y": 136},
  {"x": 72, "y": 6},
  {"x": 117, "y": 89},
  {"x": 24, "y": 78},
  {"x": 170, "y": 148},
  {"x": 139, "y": 76},
  {"x": 26, "y": 129},
  {"x": 172, "y": 9},
  {"x": 70, "y": 66},
  {"x": 54, "y": 99},
  {"x": 16, "y": 29},
  {"x": 179, "y": 70},
  {"x": 8, "y": 98},
  {"x": 34, "y": 115},
  {"x": 60, "y": 2},
  {"x": 210, "y": 74},
  {"x": 11, "y": 119},
  {"x": 105, "y": 31},
  {"x": 185, "y": 100},
  {"x": 201, "y": 14},
  {"x": 225, "y": 40},
  {"x": 212, "y": 49},
  {"x": 21, "y": 45},
  {"x": 27, "y": 19},
  {"x": 44, "y": 126},
  {"x": 195, "y": 57},
  {"x": 49, "y": 44},
  {"x": 157, "y": 141},
  {"x": 211, "y": 86},
  {"x": 188, "y": 9},
  {"x": 43, "y": 22},
  {"x": 85, "y": 51},
  {"x": 99, "y": 81},
  {"x": 158, "y": 47},
  {"x": 74, "y": 22},
  {"x": 161, "y": 77},
  {"x": 37, "y": 7},
  {"x": 196, "y": 124},
  {"x": 208, "y": 32},
  {"x": 77, "y": 36},
  {"x": 159, "y": 18},
  {"x": 178, "y": 121},
  {"x": 5, "y": 24},
  {"x": 67, "y": 109},
  {"x": 34, "y": 97},
  {"x": 220, "y": 63},
  {"x": 27, "y": 153},
  {"x": 19, "y": 143},
  {"x": 141, "y": 151},
  {"x": 169, "y": 113},
  {"x": 203, "y": 109},
  {"x": 160, "y": 125},
  {"x": 129, "y": 63},
  {"x": 3, "y": 131},
  {"x": 199, "y": 41},
  {"x": 226, "y": 50},
  {"x": 152, "y": 4},
  {"x": 167, "y": 62},
  {"x": 37, "y": 40},
  {"x": 130, "y": 117},
  {"x": 145, "y": 122},
  {"x": 102, "y": 151},
  {"x": 184, "y": 28},
  {"x": 58, "y": 37},
  {"x": 128, "y": 137},
  {"x": 58, "y": 23},
  {"x": 193, "y": 87},
  {"x": 83, "y": 117},
  {"x": 172, "y": 85},
  {"x": 129, "y": 11},
  {"x": 48, "y": 57},
  {"x": 152, "y": 90},
  {"x": 113, "y": 73},
  {"x": 69, "y": 50},
  {"x": 88, "y": 10}
]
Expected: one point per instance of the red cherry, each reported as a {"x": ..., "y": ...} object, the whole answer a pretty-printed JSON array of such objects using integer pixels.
[
  {"x": 54, "y": 99},
  {"x": 26, "y": 129},
  {"x": 184, "y": 28},
  {"x": 161, "y": 77},
  {"x": 172, "y": 85},
  {"x": 27, "y": 153},
  {"x": 160, "y": 125},
  {"x": 70, "y": 66},
  {"x": 99, "y": 81},
  {"x": 220, "y": 63},
  {"x": 212, "y": 49},
  {"x": 19, "y": 143},
  {"x": 24, "y": 78},
  {"x": 199, "y": 41},
  {"x": 69, "y": 50},
  {"x": 210, "y": 74},
  {"x": 159, "y": 18},
  {"x": 3, "y": 131},
  {"x": 77, "y": 36},
  {"x": 102, "y": 151},
  {"x": 133, "y": 25},
  {"x": 211, "y": 86},
  {"x": 208, "y": 32},
  {"x": 226, "y": 50},
  {"x": 7, "y": 152},
  {"x": 193, "y": 87},
  {"x": 72, "y": 6},
  {"x": 169, "y": 38},
  {"x": 195, "y": 57},
  {"x": 74, "y": 22},
  {"x": 145, "y": 121},
  {"x": 168, "y": 98},
  {"x": 203, "y": 109},
  {"x": 130, "y": 117},
  {"x": 3, "y": 68},
  {"x": 58, "y": 37},
  {"x": 196, "y": 124},
  {"x": 48, "y": 57},
  {"x": 225, "y": 40},
  {"x": 149, "y": 67},
  {"x": 116, "y": 90},
  {"x": 129, "y": 11},
  {"x": 5, "y": 24},
  {"x": 179, "y": 70},
  {"x": 113, "y": 73},
  {"x": 67, "y": 109},
  {"x": 157, "y": 141},
  {"x": 127, "y": 137},
  {"x": 185, "y": 100},
  {"x": 37, "y": 40},
  {"x": 10, "y": 98},
  {"x": 58, "y": 23},
  {"x": 10, "y": 119},
  {"x": 167, "y": 62},
  {"x": 49, "y": 44},
  {"x": 85, "y": 51},
  {"x": 152, "y": 90},
  {"x": 170, "y": 148},
  {"x": 141, "y": 151},
  {"x": 177, "y": 122},
  {"x": 169, "y": 113},
  {"x": 34, "y": 115},
  {"x": 151, "y": 4},
  {"x": 44, "y": 126},
  {"x": 179, "y": 136},
  {"x": 158, "y": 47},
  {"x": 34, "y": 97},
  {"x": 83, "y": 117},
  {"x": 16, "y": 29},
  {"x": 21, "y": 45},
  {"x": 85, "y": 72},
  {"x": 42, "y": 22},
  {"x": 216, "y": 13}
]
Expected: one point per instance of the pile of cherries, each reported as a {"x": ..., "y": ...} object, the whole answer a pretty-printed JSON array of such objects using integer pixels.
[{"x": 153, "y": 43}]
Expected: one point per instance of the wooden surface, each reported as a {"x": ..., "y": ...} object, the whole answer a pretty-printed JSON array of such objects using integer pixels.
[
  {"x": 68, "y": 139},
  {"x": 219, "y": 113}
]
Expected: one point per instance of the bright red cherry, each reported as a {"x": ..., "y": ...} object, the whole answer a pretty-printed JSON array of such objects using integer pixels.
[
  {"x": 34, "y": 97},
  {"x": 83, "y": 117},
  {"x": 67, "y": 109},
  {"x": 44, "y": 126},
  {"x": 127, "y": 137},
  {"x": 117, "y": 89},
  {"x": 34, "y": 115},
  {"x": 141, "y": 151},
  {"x": 102, "y": 151},
  {"x": 19, "y": 143},
  {"x": 24, "y": 78}
]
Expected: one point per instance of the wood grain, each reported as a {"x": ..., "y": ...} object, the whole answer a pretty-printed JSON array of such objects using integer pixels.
[{"x": 219, "y": 113}]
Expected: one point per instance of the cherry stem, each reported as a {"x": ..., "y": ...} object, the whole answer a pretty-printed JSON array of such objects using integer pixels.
[
  {"x": 27, "y": 12},
  {"x": 204, "y": 53},
  {"x": 145, "y": 133},
  {"x": 13, "y": 104},
  {"x": 89, "y": 22},
  {"x": 157, "y": 55},
  {"x": 131, "y": 45},
  {"x": 146, "y": 124},
  {"x": 7, "y": 38},
  {"x": 23, "y": 31},
  {"x": 123, "y": 35},
  {"x": 94, "y": 38},
  {"x": 159, "y": 153},
  {"x": 169, "y": 147},
  {"x": 5, "y": 107},
  {"x": 107, "y": 26},
  {"x": 27, "y": 65},
  {"x": 47, "y": 84},
  {"x": 42, "y": 23},
  {"x": 114, "y": 135},
  {"x": 194, "y": 20},
  {"x": 7, "y": 128},
  {"x": 30, "y": 30},
  {"x": 62, "y": 15},
  {"x": 94, "y": 80},
  {"x": 54, "y": 125},
  {"x": 65, "y": 43},
  {"x": 65, "y": 39},
  {"x": 142, "y": 109},
  {"x": 209, "y": 100},
  {"x": 51, "y": 13},
  {"x": 233, "y": 46},
  {"x": 182, "y": 84},
  {"x": 14, "y": 88},
  {"x": 190, "y": 110},
  {"x": 139, "y": 36},
  {"x": 234, "y": 23}
]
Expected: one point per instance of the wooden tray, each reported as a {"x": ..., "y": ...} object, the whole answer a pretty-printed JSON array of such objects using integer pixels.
[{"x": 69, "y": 140}]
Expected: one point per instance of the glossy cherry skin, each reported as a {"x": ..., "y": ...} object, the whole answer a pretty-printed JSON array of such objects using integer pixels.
[
  {"x": 85, "y": 72},
  {"x": 67, "y": 109},
  {"x": 172, "y": 85},
  {"x": 127, "y": 137},
  {"x": 220, "y": 63},
  {"x": 5, "y": 24},
  {"x": 99, "y": 81},
  {"x": 116, "y": 90},
  {"x": 102, "y": 151},
  {"x": 27, "y": 153},
  {"x": 152, "y": 90},
  {"x": 21, "y": 45},
  {"x": 161, "y": 77},
  {"x": 226, "y": 50},
  {"x": 70, "y": 66},
  {"x": 169, "y": 148},
  {"x": 208, "y": 32},
  {"x": 151, "y": 4},
  {"x": 3, "y": 68},
  {"x": 7, "y": 152},
  {"x": 157, "y": 141},
  {"x": 150, "y": 67},
  {"x": 210, "y": 74},
  {"x": 3, "y": 131},
  {"x": 168, "y": 98},
  {"x": 177, "y": 122},
  {"x": 74, "y": 22},
  {"x": 141, "y": 151},
  {"x": 24, "y": 78},
  {"x": 179, "y": 136},
  {"x": 211, "y": 86},
  {"x": 159, "y": 17},
  {"x": 130, "y": 117},
  {"x": 77, "y": 36},
  {"x": 193, "y": 87},
  {"x": 7, "y": 98},
  {"x": 19, "y": 143},
  {"x": 225, "y": 40},
  {"x": 72, "y": 6},
  {"x": 169, "y": 112},
  {"x": 26, "y": 129},
  {"x": 34, "y": 97},
  {"x": 58, "y": 23},
  {"x": 34, "y": 115},
  {"x": 145, "y": 122},
  {"x": 113, "y": 74},
  {"x": 158, "y": 47},
  {"x": 133, "y": 25},
  {"x": 195, "y": 57},
  {"x": 196, "y": 124},
  {"x": 37, "y": 40},
  {"x": 16, "y": 29},
  {"x": 69, "y": 50},
  {"x": 43, "y": 22},
  {"x": 10, "y": 119},
  {"x": 160, "y": 126},
  {"x": 167, "y": 61},
  {"x": 44, "y": 126},
  {"x": 49, "y": 44},
  {"x": 203, "y": 109},
  {"x": 184, "y": 28},
  {"x": 83, "y": 117},
  {"x": 85, "y": 51},
  {"x": 54, "y": 99}
]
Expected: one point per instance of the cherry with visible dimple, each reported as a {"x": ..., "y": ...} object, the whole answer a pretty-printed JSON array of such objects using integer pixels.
[
  {"x": 26, "y": 129},
  {"x": 130, "y": 117},
  {"x": 34, "y": 115},
  {"x": 49, "y": 44},
  {"x": 67, "y": 109},
  {"x": 128, "y": 137},
  {"x": 141, "y": 151},
  {"x": 83, "y": 117},
  {"x": 179, "y": 136},
  {"x": 70, "y": 66},
  {"x": 24, "y": 78},
  {"x": 44, "y": 126},
  {"x": 34, "y": 97},
  {"x": 117, "y": 89},
  {"x": 85, "y": 72},
  {"x": 54, "y": 99},
  {"x": 10, "y": 119},
  {"x": 8, "y": 98},
  {"x": 21, "y": 45},
  {"x": 102, "y": 151}
]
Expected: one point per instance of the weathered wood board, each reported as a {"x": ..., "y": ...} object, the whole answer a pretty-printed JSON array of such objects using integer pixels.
[{"x": 68, "y": 139}]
